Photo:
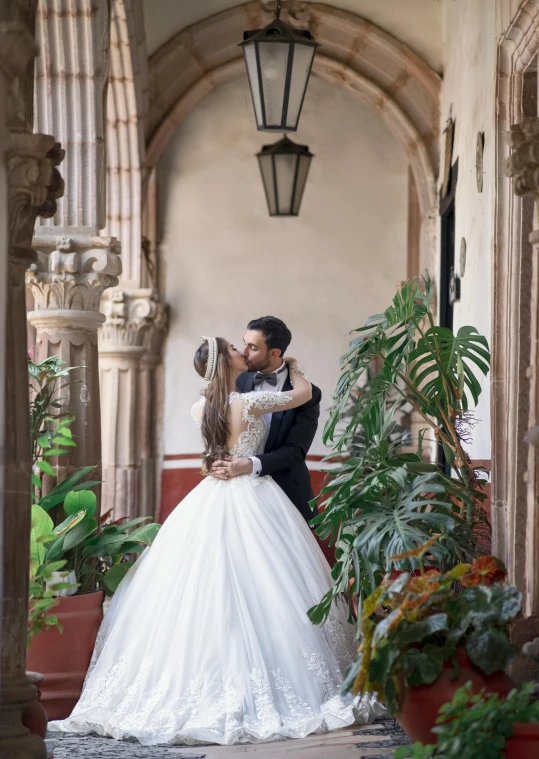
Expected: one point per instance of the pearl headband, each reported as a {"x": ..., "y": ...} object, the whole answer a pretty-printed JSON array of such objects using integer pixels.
[{"x": 211, "y": 366}]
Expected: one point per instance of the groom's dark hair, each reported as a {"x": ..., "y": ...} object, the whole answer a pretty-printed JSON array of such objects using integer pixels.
[{"x": 276, "y": 333}]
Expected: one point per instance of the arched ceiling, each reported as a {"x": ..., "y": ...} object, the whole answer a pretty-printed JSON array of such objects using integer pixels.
[{"x": 416, "y": 23}]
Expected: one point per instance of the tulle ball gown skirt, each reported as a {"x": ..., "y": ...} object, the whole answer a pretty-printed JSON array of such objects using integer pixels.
[{"x": 207, "y": 639}]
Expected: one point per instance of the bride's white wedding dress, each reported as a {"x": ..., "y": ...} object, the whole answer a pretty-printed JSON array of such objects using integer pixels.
[{"x": 207, "y": 638}]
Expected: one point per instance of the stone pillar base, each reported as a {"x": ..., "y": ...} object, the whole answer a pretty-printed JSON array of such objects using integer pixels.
[{"x": 15, "y": 740}]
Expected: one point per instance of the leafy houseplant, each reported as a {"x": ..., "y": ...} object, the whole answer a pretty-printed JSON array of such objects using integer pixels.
[
  {"x": 483, "y": 725},
  {"x": 416, "y": 625},
  {"x": 71, "y": 550},
  {"x": 379, "y": 502},
  {"x": 79, "y": 538}
]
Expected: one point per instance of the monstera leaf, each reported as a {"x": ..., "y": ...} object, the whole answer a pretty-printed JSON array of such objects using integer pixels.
[{"x": 443, "y": 364}]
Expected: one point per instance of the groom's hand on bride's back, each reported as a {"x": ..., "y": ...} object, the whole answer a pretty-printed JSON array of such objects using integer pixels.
[{"x": 225, "y": 469}]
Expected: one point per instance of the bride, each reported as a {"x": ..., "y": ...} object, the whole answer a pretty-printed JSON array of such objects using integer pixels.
[{"x": 207, "y": 638}]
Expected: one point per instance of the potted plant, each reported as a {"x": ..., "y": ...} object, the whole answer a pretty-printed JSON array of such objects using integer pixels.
[
  {"x": 423, "y": 636},
  {"x": 483, "y": 725},
  {"x": 63, "y": 656},
  {"x": 76, "y": 556},
  {"x": 42, "y": 601},
  {"x": 381, "y": 501}
]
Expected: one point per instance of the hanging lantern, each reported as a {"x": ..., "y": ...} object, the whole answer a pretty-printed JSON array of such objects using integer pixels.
[
  {"x": 279, "y": 61},
  {"x": 284, "y": 167}
]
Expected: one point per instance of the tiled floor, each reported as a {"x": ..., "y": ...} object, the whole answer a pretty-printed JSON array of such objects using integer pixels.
[{"x": 373, "y": 742}]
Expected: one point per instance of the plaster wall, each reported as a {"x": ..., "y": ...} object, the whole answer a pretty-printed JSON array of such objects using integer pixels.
[
  {"x": 468, "y": 95},
  {"x": 224, "y": 261}
]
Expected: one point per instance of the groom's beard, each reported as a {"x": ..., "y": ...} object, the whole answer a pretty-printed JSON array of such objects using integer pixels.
[{"x": 262, "y": 367}]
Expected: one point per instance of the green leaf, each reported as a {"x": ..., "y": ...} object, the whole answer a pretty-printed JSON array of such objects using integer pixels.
[
  {"x": 57, "y": 496},
  {"x": 80, "y": 500},
  {"x": 69, "y": 522},
  {"x": 417, "y": 631},
  {"x": 490, "y": 649},
  {"x": 45, "y": 467},
  {"x": 78, "y": 534},
  {"x": 56, "y": 452},
  {"x": 36, "y": 482},
  {"x": 422, "y": 666},
  {"x": 145, "y": 534},
  {"x": 64, "y": 440},
  {"x": 114, "y": 576},
  {"x": 42, "y": 524}
]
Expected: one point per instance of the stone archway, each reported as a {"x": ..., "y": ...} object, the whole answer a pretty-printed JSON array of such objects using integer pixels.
[
  {"x": 355, "y": 54},
  {"x": 514, "y": 304}
]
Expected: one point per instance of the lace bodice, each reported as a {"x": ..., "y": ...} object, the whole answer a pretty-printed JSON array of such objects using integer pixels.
[{"x": 253, "y": 428}]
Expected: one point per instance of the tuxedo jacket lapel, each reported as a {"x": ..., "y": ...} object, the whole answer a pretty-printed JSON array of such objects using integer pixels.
[
  {"x": 276, "y": 419},
  {"x": 246, "y": 382}
]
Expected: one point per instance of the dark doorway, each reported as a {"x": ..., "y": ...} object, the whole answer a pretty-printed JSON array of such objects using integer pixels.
[
  {"x": 447, "y": 268},
  {"x": 447, "y": 214}
]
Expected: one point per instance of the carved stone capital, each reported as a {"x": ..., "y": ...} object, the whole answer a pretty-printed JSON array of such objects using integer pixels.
[
  {"x": 523, "y": 163},
  {"x": 155, "y": 335},
  {"x": 34, "y": 186},
  {"x": 71, "y": 273},
  {"x": 129, "y": 314}
]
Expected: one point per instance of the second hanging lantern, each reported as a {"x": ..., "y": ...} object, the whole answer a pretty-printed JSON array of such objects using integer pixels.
[
  {"x": 284, "y": 167},
  {"x": 279, "y": 61}
]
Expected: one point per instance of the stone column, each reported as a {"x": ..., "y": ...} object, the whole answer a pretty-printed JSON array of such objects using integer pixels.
[
  {"x": 67, "y": 282},
  {"x": 523, "y": 167},
  {"x": 75, "y": 264},
  {"x": 129, "y": 315},
  {"x": 29, "y": 185},
  {"x": 151, "y": 405},
  {"x": 33, "y": 185}
]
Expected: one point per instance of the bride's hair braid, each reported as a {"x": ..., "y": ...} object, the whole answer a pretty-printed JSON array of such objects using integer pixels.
[{"x": 215, "y": 426}]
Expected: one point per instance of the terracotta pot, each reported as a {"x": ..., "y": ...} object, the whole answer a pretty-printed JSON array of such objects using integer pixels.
[
  {"x": 421, "y": 703},
  {"x": 525, "y": 742},
  {"x": 63, "y": 658},
  {"x": 34, "y": 717}
]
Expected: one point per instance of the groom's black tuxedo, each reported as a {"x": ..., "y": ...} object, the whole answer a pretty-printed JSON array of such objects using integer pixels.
[{"x": 290, "y": 436}]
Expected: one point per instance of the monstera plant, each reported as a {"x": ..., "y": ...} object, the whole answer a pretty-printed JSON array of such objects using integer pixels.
[{"x": 381, "y": 502}]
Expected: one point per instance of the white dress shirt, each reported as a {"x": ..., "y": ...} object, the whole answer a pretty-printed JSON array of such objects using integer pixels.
[{"x": 282, "y": 375}]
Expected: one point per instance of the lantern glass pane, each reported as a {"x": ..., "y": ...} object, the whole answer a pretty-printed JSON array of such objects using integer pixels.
[
  {"x": 285, "y": 169},
  {"x": 273, "y": 64},
  {"x": 303, "y": 170},
  {"x": 266, "y": 169},
  {"x": 252, "y": 72},
  {"x": 303, "y": 57}
]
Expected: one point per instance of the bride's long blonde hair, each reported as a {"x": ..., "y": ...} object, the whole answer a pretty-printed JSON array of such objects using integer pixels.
[{"x": 215, "y": 426}]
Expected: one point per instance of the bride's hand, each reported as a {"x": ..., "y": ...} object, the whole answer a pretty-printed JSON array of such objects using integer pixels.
[{"x": 290, "y": 361}]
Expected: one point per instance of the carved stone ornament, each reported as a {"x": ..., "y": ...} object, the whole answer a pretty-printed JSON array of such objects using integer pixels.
[
  {"x": 34, "y": 184},
  {"x": 128, "y": 315},
  {"x": 462, "y": 257},
  {"x": 71, "y": 273},
  {"x": 293, "y": 10},
  {"x": 449, "y": 133},
  {"x": 155, "y": 335},
  {"x": 523, "y": 163},
  {"x": 479, "y": 149}
]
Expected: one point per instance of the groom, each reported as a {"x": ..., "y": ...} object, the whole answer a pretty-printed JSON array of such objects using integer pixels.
[{"x": 289, "y": 433}]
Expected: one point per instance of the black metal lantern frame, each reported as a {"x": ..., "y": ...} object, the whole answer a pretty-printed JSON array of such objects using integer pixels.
[
  {"x": 279, "y": 61},
  {"x": 284, "y": 167}
]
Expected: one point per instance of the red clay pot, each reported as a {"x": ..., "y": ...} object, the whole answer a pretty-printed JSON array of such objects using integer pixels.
[
  {"x": 63, "y": 658},
  {"x": 421, "y": 703},
  {"x": 34, "y": 717},
  {"x": 525, "y": 742}
]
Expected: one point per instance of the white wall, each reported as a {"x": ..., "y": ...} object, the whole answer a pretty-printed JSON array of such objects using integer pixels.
[
  {"x": 226, "y": 262},
  {"x": 468, "y": 94}
]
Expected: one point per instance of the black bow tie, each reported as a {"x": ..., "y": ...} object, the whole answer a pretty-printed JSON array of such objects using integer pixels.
[{"x": 271, "y": 379}]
